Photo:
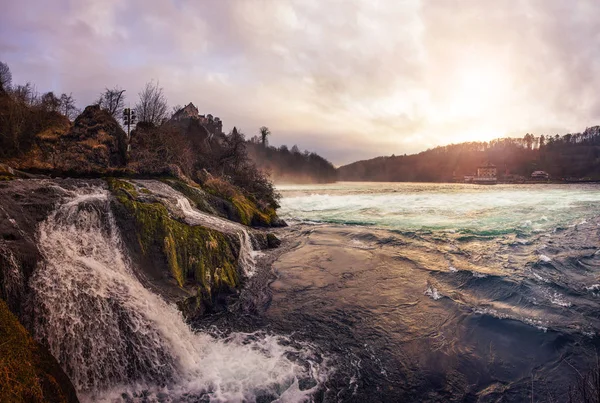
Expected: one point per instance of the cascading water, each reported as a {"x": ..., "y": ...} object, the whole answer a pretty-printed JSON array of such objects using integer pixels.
[
  {"x": 11, "y": 275},
  {"x": 115, "y": 337}
]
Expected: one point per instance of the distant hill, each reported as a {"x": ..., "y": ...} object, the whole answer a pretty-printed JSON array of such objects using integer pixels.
[
  {"x": 291, "y": 166},
  {"x": 572, "y": 156}
]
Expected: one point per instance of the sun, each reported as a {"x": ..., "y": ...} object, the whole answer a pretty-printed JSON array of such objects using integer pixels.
[{"x": 478, "y": 89}]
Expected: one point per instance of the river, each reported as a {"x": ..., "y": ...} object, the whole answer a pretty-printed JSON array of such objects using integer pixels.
[{"x": 442, "y": 292}]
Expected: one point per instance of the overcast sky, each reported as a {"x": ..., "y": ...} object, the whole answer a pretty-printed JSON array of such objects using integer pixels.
[{"x": 348, "y": 79}]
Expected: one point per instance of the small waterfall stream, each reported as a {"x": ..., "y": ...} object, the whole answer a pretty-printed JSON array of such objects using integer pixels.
[
  {"x": 11, "y": 275},
  {"x": 113, "y": 336},
  {"x": 176, "y": 200}
]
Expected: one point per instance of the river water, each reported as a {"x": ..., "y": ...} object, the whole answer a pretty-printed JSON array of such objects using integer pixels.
[
  {"x": 442, "y": 292},
  {"x": 379, "y": 293}
]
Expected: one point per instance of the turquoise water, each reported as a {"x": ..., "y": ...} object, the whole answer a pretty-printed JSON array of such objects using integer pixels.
[{"x": 448, "y": 207}]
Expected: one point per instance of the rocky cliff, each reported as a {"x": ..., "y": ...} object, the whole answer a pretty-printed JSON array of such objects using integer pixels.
[
  {"x": 28, "y": 373},
  {"x": 92, "y": 145},
  {"x": 190, "y": 242}
]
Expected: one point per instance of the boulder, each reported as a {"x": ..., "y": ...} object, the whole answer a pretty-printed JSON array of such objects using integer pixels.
[{"x": 94, "y": 144}]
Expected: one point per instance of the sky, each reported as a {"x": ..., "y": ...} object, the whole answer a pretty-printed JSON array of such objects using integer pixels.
[{"x": 348, "y": 79}]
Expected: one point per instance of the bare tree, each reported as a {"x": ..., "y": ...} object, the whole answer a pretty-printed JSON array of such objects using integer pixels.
[
  {"x": 233, "y": 152},
  {"x": 176, "y": 109},
  {"x": 67, "y": 106},
  {"x": 154, "y": 149},
  {"x": 50, "y": 102},
  {"x": 264, "y": 133},
  {"x": 152, "y": 106},
  {"x": 112, "y": 100},
  {"x": 25, "y": 94},
  {"x": 5, "y": 76}
]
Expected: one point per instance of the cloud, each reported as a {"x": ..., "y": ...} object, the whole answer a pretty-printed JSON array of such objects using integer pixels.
[{"x": 348, "y": 79}]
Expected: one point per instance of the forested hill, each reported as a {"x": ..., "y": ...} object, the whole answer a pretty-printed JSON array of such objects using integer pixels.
[
  {"x": 291, "y": 166},
  {"x": 572, "y": 156}
]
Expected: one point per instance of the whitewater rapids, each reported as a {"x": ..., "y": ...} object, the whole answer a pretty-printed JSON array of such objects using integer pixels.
[
  {"x": 118, "y": 340},
  {"x": 444, "y": 292}
]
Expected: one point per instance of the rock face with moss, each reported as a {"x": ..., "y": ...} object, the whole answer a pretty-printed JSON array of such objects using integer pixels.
[
  {"x": 195, "y": 266},
  {"x": 220, "y": 198},
  {"x": 198, "y": 267}
]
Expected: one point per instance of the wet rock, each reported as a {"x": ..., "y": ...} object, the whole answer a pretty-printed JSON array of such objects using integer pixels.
[
  {"x": 273, "y": 241},
  {"x": 28, "y": 372},
  {"x": 192, "y": 266}
]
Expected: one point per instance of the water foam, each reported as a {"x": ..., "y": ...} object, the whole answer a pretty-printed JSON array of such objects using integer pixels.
[
  {"x": 544, "y": 258},
  {"x": 113, "y": 336},
  {"x": 432, "y": 292},
  {"x": 490, "y": 210}
]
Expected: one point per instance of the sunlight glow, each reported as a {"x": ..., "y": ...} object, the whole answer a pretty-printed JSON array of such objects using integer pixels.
[{"x": 478, "y": 90}]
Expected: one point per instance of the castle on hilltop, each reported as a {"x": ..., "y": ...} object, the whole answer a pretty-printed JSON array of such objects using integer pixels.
[{"x": 213, "y": 124}]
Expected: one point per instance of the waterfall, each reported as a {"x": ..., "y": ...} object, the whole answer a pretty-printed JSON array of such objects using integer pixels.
[
  {"x": 113, "y": 336},
  {"x": 247, "y": 258},
  {"x": 12, "y": 277}
]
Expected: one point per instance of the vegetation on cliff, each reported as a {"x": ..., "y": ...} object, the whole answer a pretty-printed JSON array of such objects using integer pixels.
[
  {"x": 198, "y": 266},
  {"x": 28, "y": 373},
  {"x": 36, "y": 136},
  {"x": 219, "y": 197}
]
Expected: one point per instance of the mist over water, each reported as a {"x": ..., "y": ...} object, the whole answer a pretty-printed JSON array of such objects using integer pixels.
[{"x": 445, "y": 292}]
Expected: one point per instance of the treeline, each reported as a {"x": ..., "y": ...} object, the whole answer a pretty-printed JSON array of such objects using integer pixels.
[
  {"x": 573, "y": 156},
  {"x": 291, "y": 166}
]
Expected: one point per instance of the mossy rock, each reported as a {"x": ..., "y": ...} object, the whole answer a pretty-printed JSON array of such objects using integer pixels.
[
  {"x": 28, "y": 372},
  {"x": 223, "y": 199},
  {"x": 196, "y": 257},
  {"x": 203, "y": 200}
]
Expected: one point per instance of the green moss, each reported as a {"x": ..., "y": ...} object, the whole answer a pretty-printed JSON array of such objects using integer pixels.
[
  {"x": 27, "y": 372},
  {"x": 195, "y": 255},
  {"x": 243, "y": 208},
  {"x": 246, "y": 210},
  {"x": 196, "y": 194},
  {"x": 6, "y": 178},
  {"x": 118, "y": 184}
]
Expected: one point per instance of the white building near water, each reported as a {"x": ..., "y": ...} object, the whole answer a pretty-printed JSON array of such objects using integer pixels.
[
  {"x": 540, "y": 175},
  {"x": 486, "y": 174}
]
